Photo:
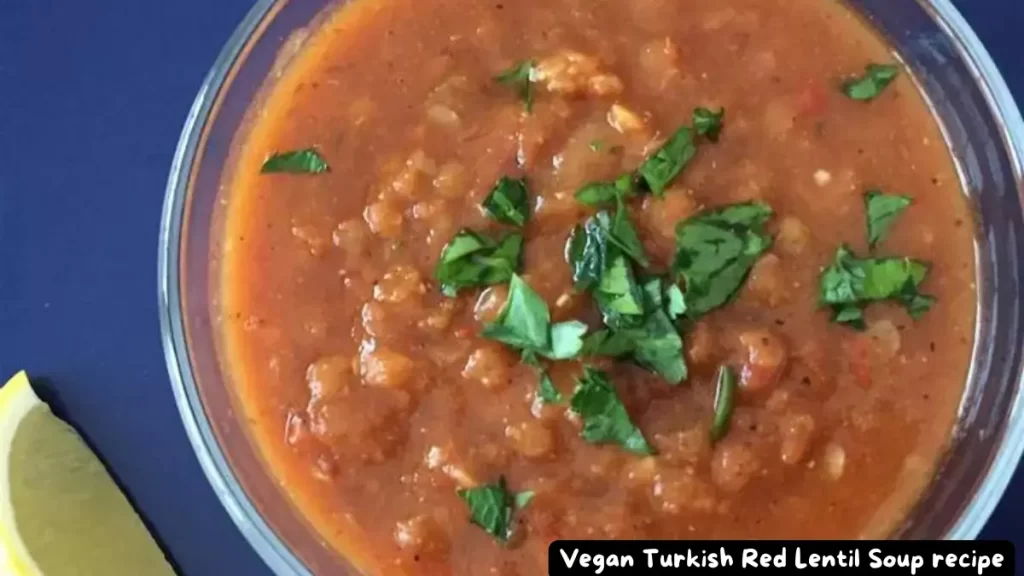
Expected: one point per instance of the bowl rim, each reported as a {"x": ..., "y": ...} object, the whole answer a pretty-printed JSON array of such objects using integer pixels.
[
  {"x": 990, "y": 82},
  {"x": 212, "y": 459},
  {"x": 228, "y": 489}
]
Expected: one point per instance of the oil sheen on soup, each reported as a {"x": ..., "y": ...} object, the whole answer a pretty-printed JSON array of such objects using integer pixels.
[{"x": 498, "y": 273}]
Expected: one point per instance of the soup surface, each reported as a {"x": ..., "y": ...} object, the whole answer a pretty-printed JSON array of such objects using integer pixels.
[{"x": 742, "y": 376}]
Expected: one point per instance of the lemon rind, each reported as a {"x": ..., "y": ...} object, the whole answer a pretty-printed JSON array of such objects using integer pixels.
[{"x": 16, "y": 400}]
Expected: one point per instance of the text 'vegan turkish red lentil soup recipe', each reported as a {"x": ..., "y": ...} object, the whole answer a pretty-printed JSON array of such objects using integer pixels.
[{"x": 498, "y": 273}]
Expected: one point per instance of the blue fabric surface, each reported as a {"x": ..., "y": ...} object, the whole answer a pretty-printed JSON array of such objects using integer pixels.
[{"x": 92, "y": 99}]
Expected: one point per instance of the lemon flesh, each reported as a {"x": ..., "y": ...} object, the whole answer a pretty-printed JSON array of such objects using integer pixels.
[{"x": 61, "y": 514}]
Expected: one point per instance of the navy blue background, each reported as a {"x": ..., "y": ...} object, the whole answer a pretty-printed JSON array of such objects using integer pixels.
[{"x": 92, "y": 99}]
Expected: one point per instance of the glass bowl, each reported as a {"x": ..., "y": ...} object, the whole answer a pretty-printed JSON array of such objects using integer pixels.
[{"x": 982, "y": 125}]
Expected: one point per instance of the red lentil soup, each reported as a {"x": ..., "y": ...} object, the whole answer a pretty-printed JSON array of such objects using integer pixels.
[{"x": 498, "y": 273}]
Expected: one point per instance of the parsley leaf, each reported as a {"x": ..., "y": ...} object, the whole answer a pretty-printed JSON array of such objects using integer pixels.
[
  {"x": 659, "y": 348},
  {"x": 874, "y": 81},
  {"x": 586, "y": 253},
  {"x": 605, "y": 420},
  {"x": 597, "y": 145},
  {"x": 590, "y": 245},
  {"x": 307, "y": 161},
  {"x": 853, "y": 280},
  {"x": 675, "y": 302},
  {"x": 916, "y": 303},
  {"x": 471, "y": 259},
  {"x": 708, "y": 123},
  {"x": 492, "y": 506},
  {"x": 851, "y": 315},
  {"x": 725, "y": 390},
  {"x": 566, "y": 340},
  {"x": 618, "y": 295},
  {"x": 657, "y": 344},
  {"x": 651, "y": 341},
  {"x": 524, "y": 321},
  {"x": 882, "y": 209},
  {"x": 608, "y": 343},
  {"x": 715, "y": 251},
  {"x": 598, "y": 193},
  {"x": 508, "y": 202},
  {"x": 546, "y": 391},
  {"x": 667, "y": 162},
  {"x": 520, "y": 77},
  {"x": 523, "y": 499},
  {"x": 850, "y": 283},
  {"x": 623, "y": 234},
  {"x": 658, "y": 171}
]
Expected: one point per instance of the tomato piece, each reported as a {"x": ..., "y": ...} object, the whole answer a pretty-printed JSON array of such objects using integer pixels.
[
  {"x": 812, "y": 100},
  {"x": 858, "y": 358}
]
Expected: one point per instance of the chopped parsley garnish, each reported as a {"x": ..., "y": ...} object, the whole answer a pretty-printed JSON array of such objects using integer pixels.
[
  {"x": 492, "y": 507},
  {"x": 605, "y": 420},
  {"x": 874, "y": 81},
  {"x": 307, "y": 161},
  {"x": 519, "y": 77},
  {"x": 586, "y": 253},
  {"x": 523, "y": 499},
  {"x": 508, "y": 202},
  {"x": 662, "y": 167},
  {"x": 667, "y": 162},
  {"x": 524, "y": 323},
  {"x": 598, "y": 193},
  {"x": 651, "y": 339},
  {"x": 622, "y": 234},
  {"x": 851, "y": 283},
  {"x": 597, "y": 145},
  {"x": 708, "y": 123},
  {"x": 608, "y": 343},
  {"x": 882, "y": 210},
  {"x": 618, "y": 295},
  {"x": 715, "y": 251},
  {"x": 725, "y": 391},
  {"x": 851, "y": 315},
  {"x": 916, "y": 303},
  {"x": 547, "y": 391},
  {"x": 471, "y": 259},
  {"x": 675, "y": 302},
  {"x": 657, "y": 345},
  {"x": 591, "y": 245},
  {"x": 599, "y": 253},
  {"x": 566, "y": 340}
]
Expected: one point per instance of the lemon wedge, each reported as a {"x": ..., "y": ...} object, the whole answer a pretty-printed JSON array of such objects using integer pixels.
[{"x": 61, "y": 514}]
